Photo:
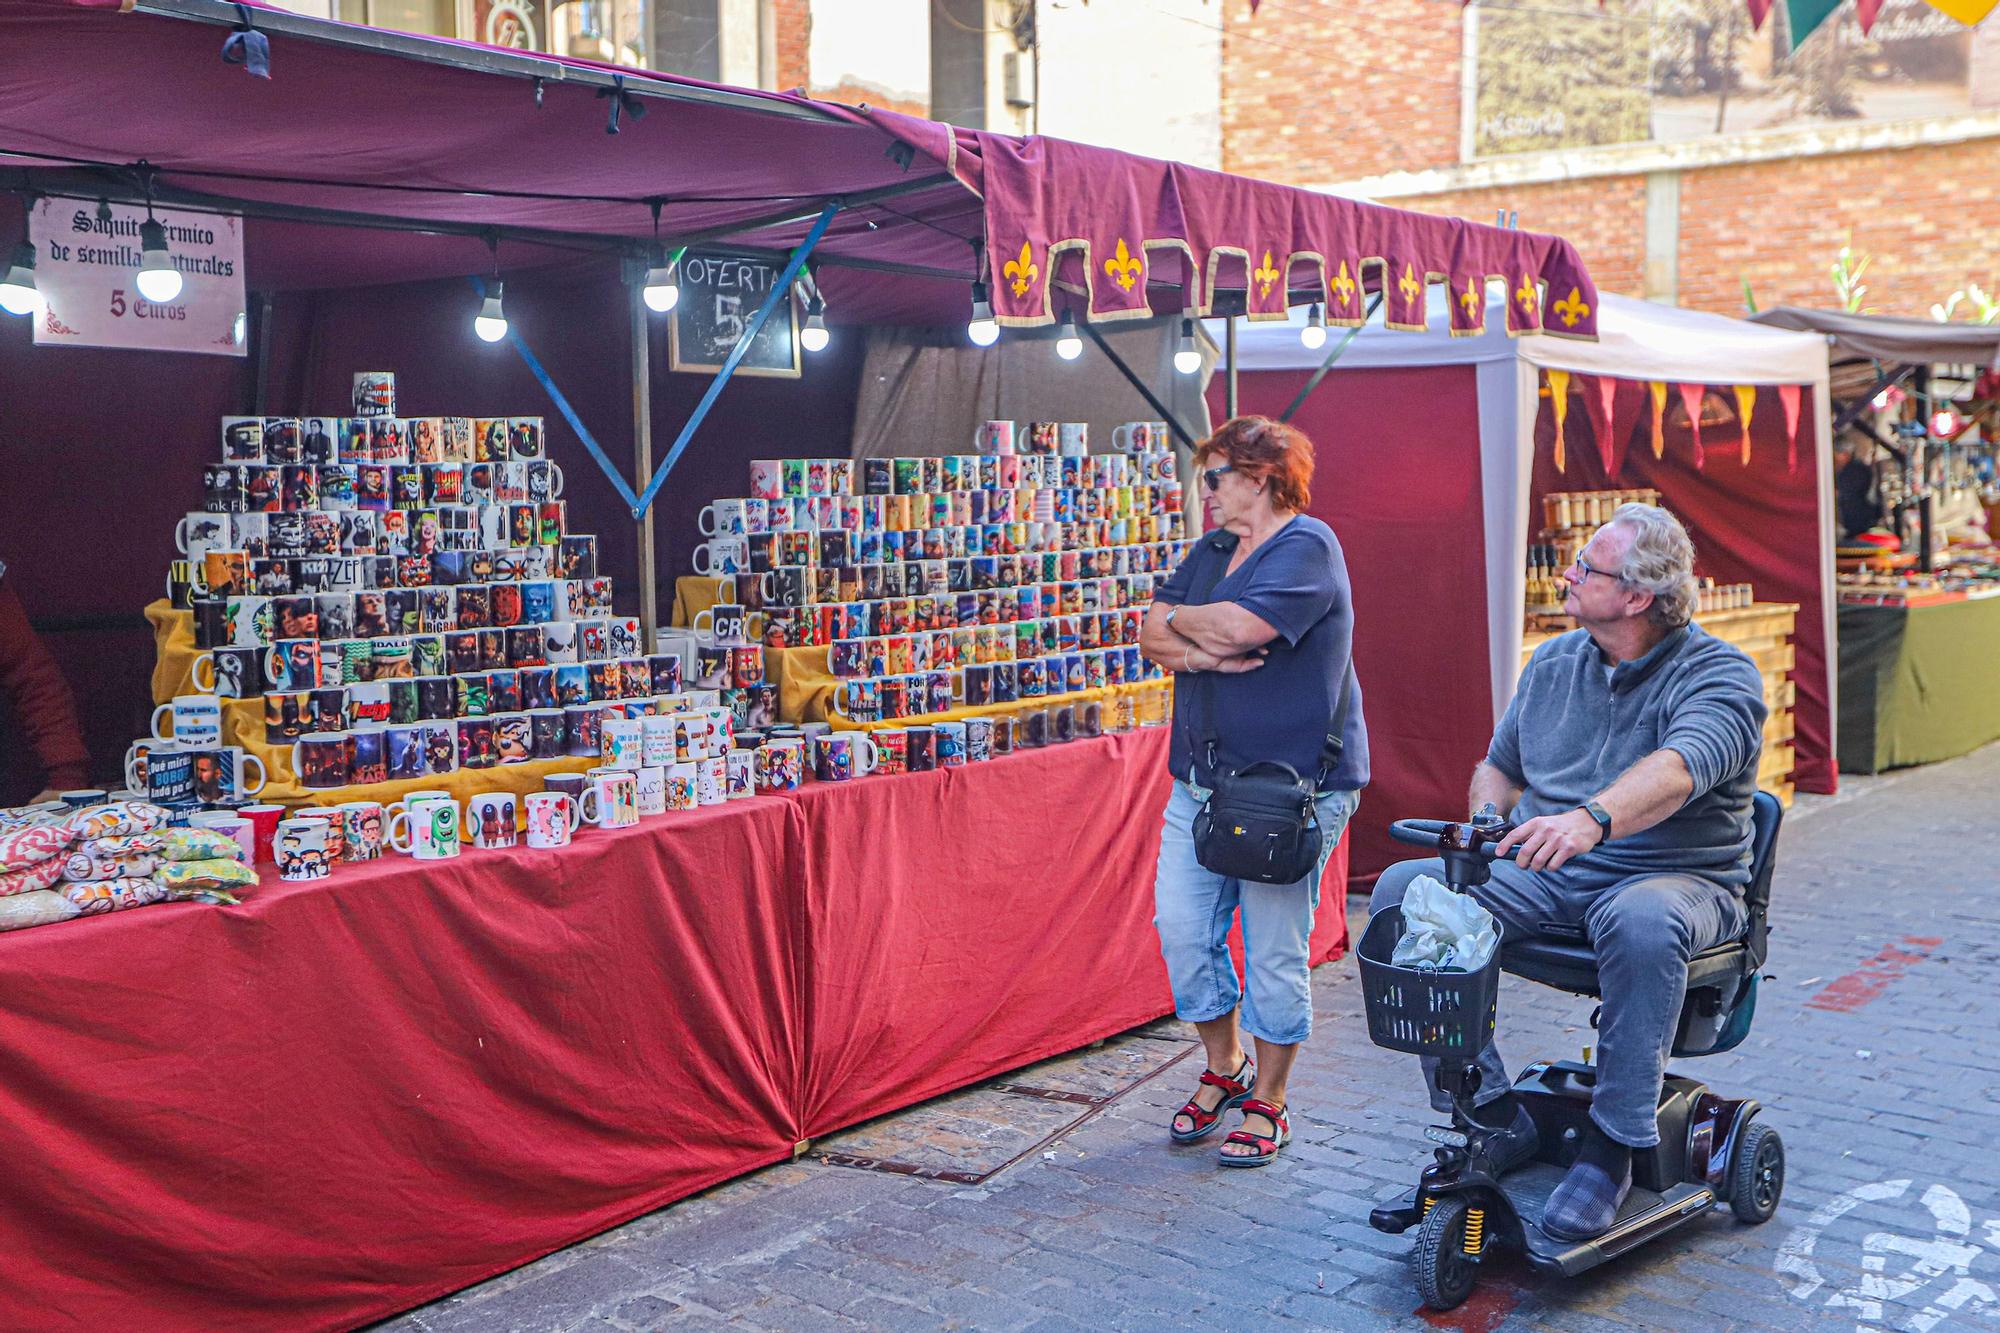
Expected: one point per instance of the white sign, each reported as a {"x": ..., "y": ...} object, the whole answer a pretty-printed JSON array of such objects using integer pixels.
[{"x": 87, "y": 269}]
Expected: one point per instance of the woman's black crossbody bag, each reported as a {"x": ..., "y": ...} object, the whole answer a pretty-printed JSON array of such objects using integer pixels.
[{"x": 1260, "y": 821}]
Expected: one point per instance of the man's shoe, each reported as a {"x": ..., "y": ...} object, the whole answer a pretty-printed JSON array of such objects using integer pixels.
[
  {"x": 1508, "y": 1148},
  {"x": 1585, "y": 1201}
]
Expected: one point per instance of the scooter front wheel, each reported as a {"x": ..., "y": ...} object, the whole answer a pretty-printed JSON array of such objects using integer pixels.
[
  {"x": 1446, "y": 1272},
  {"x": 1757, "y": 1173}
]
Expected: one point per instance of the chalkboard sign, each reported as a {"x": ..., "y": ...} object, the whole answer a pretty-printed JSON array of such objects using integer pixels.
[{"x": 720, "y": 295}]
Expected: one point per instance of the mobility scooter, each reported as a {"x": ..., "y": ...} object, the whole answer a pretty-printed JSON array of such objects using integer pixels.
[{"x": 1712, "y": 1150}]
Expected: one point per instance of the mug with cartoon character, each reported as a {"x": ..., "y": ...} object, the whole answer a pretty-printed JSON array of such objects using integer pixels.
[{"x": 301, "y": 848}]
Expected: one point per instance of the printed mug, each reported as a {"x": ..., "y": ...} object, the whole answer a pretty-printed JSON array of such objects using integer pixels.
[
  {"x": 320, "y": 760},
  {"x": 302, "y": 849},
  {"x": 223, "y": 773},
  {"x": 193, "y": 720},
  {"x": 361, "y": 830},
  {"x": 490, "y": 820},
  {"x": 622, "y": 742},
  {"x": 649, "y": 788},
  {"x": 553, "y": 818},
  {"x": 426, "y": 829},
  {"x": 611, "y": 798}
]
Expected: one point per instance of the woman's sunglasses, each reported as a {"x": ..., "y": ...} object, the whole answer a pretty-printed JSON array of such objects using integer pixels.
[{"x": 1212, "y": 477}]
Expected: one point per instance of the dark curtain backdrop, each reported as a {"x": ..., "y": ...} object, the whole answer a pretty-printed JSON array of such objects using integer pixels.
[
  {"x": 1397, "y": 479},
  {"x": 103, "y": 449}
]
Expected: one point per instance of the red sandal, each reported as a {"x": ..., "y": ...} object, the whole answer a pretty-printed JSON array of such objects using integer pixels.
[
  {"x": 1236, "y": 1090},
  {"x": 1267, "y": 1147}
]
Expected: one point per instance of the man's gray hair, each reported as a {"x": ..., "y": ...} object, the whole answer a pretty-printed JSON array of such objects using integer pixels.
[{"x": 1660, "y": 561}]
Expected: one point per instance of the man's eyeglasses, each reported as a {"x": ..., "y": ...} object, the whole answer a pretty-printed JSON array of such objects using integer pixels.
[
  {"x": 1588, "y": 570},
  {"x": 1212, "y": 477}
]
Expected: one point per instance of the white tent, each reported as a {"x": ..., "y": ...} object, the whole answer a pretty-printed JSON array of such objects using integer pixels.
[{"x": 1637, "y": 340}]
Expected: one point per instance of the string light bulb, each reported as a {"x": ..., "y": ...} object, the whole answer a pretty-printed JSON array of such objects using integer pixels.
[
  {"x": 18, "y": 293},
  {"x": 662, "y": 291},
  {"x": 1313, "y": 335},
  {"x": 159, "y": 281},
  {"x": 491, "y": 321},
  {"x": 1069, "y": 343},
  {"x": 814, "y": 337},
  {"x": 984, "y": 330},
  {"x": 1187, "y": 357}
]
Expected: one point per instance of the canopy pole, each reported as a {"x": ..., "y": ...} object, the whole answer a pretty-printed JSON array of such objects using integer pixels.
[
  {"x": 780, "y": 290},
  {"x": 1229, "y": 385},
  {"x": 642, "y": 455},
  {"x": 1152, "y": 399},
  {"x": 1327, "y": 364}
]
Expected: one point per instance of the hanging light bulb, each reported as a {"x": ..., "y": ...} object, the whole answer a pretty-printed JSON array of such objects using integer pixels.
[
  {"x": 18, "y": 293},
  {"x": 491, "y": 321},
  {"x": 1313, "y": 335},
  {"x": 1944, "y": 424},
  {"x": 984, "y": 330},
  {"x": 1069, "y": 343},
  {"x": 1187, "y": 357},
  {"x": 662, "y": 291},
  {"x": 159, "y": 281},
  {"x": 814, "y": 337}
]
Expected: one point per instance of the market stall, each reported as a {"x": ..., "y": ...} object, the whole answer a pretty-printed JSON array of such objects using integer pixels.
[
  {"x": 347, "y": 1094},
  {"x": 1439, "y": 453},
  {"x": 1916, "y": 414}
]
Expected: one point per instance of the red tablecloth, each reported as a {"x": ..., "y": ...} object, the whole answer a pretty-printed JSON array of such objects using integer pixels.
[{"x": 343, "y": 1099}]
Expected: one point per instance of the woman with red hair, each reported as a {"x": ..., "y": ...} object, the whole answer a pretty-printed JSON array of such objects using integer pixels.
[{"x": 1257, "y": 626}]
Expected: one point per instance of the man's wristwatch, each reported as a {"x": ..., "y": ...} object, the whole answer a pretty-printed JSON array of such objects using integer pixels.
[{"x": 1598, "y": 813}]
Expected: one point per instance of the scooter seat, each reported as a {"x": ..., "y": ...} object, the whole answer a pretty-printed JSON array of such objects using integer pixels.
[{"x": 1573, "y": 967}]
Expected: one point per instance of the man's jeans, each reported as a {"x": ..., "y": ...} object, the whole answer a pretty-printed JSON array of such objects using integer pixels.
[
  {"x": 1192, "y": 907},
  {"x": 1643, "y": 929}
]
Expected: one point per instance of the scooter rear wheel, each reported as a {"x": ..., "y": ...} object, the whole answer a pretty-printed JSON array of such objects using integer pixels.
[
  {"x": 1757, "y": 1173},
  {"x": 1445, "y": 1272}
]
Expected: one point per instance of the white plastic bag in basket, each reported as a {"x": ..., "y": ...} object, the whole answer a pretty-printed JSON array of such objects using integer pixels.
[{"x": 1443, "y": 930}]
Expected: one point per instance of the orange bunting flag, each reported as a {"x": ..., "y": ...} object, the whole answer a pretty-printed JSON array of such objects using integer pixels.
[
  {"x": 1691, "y": 396},
  {"x": 1659, "y": 412},
  {"x": 1746, "y": 403},
  {"x": 1559, "y": 400},
  {"x": 1788, "y": 397}
]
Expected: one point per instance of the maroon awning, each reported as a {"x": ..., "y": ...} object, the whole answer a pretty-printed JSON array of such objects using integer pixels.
[
  {"x": 359, "y": 128},
  {"x": 1106, "y": 226}
]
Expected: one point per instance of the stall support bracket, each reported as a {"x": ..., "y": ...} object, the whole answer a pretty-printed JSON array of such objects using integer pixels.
[
  {"x": 1152, "y": 399},
  {"x": 1339, "y": 349},
  {"x": 781, "y": 290}
]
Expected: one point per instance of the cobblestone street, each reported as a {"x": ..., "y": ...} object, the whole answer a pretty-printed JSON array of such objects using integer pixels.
[{"x": 1873, "y": 1053}]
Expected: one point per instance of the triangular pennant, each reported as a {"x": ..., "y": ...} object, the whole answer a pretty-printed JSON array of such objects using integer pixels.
[
  {"x": 1691, "y": 396},
  {"x": 1659, "y": 391},
  {"x": 1599, "y": 394},
  {"x": 1807, "y": 15},
  {"x": 1559, "y": 400},
  {"x": 1746, "y": 403},
  {"x": 1759, "y": 11},
  {"x": 1967, "y": 12},
  {"x": 1869, "y": 11},
  {"x": 1788, "y": 396}
]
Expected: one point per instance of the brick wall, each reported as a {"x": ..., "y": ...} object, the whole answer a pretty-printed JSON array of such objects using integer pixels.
[
  {"x": 791, "y": 20},
  {"x": 1925, "y": 214},
  {"x": 1326, "y": 90}
]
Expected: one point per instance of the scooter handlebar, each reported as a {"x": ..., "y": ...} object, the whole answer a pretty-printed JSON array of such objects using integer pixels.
[{"x": 1440, "y": 835}]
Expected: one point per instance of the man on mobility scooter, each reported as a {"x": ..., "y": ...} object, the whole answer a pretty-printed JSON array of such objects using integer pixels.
[{"x": 1628, "y": 760}]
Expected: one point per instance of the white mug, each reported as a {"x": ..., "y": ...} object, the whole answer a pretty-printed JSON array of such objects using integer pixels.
[
  {"x": 229, "y": 825},
  {"x": 553, "y": 818},
  {"x": 623, "y": 743},
  {"x": 1139, "y": 437},
  {"x": 611, "y": 799},
  {"x": 231, "y": 778},
  {"x": 193, "y": 720},
  {"x": 396, "y": 807},
  {"x": 136, "y": 756},
  {"x": 300, "y": 847},
  {"x": 490, "y": 820},
  {"x": 994, "y": 438},
  {"x": 681, "y": 787},
  {"x": 650, "y": 789},
  {"x": 722, "y": 555},
  {"x": 740, "y": 774},
  {"x": 426, "y": 828},
  {"x": 711, "y": 780},
  {"x": 656, "y": 743},
  {"x": 730, "y": 518},
  {"x": 198, "y": 534}
]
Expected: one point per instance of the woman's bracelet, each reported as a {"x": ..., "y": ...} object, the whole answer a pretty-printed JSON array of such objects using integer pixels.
[{"x": 1187, "y": 655}]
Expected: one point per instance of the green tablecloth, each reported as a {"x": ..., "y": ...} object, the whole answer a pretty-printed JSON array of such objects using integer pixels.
[{"x": 1917, "y": 684}]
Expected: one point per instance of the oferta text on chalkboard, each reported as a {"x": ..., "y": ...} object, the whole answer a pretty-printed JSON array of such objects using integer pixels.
[{"x": 720, "y": 294}]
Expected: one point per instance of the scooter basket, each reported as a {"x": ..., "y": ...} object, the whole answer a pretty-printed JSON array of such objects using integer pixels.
[{"x": 1445, "y": 1014}]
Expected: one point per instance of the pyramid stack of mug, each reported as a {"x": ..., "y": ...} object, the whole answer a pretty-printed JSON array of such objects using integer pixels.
[
  {"x": 983, "y": 580},
  {"x": 404, "y": 593}
]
